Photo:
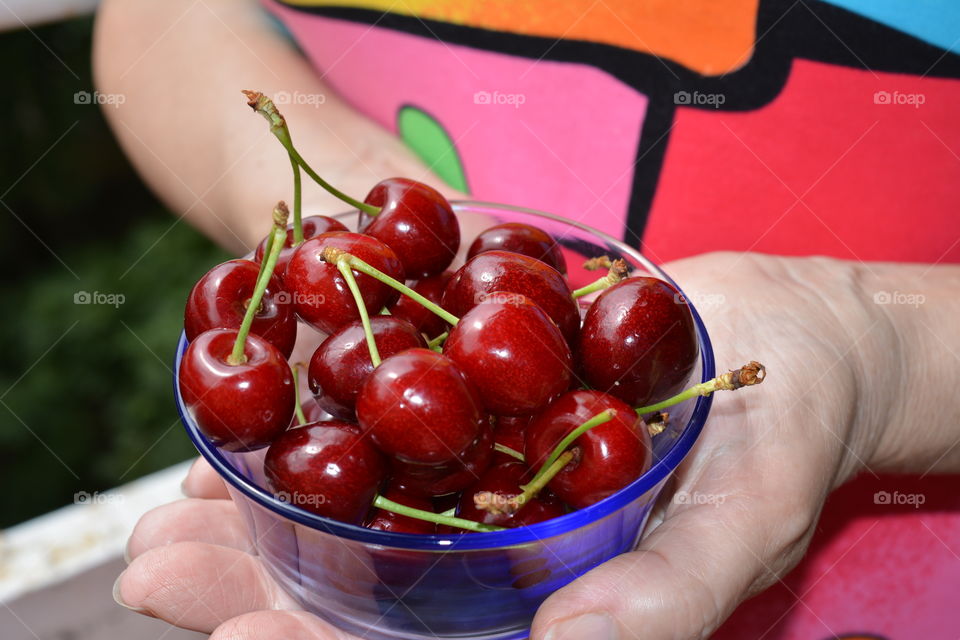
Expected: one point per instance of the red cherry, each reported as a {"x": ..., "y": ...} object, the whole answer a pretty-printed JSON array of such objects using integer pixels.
[
  {"x": 504, "y": 480},
  {"x": 638, "y": 341},
  {"x": 312, "y": 227},
  {"x": 382, "y": 520},
  {"x": 219, "y": 301},
  {"x": 512, "y": 353},
  {"x": 238, "y": 407},
  {"x": 422, "y": 318},
  {"x": 505, "y": 271},
  {"x": 328, "y": 468},
  {"x": 320, "y": 294},
  {"x": 418, "y": 407},
  {"x": 510, "y": 431},
  {"x": 312, "y": 411},
  {"x": 440, "y": 480},
  {"x": 520, "y": 238},
  {"x": 341, "y": 363},
  {"x": 606, "y": 458},
  {"x": 417, "y": 222}
]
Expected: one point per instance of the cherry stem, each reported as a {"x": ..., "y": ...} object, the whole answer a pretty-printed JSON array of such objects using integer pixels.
[
  {"x": 301, "y": 418},
  {"x": 343, "y": 265},
  {"x": 595, "y": 421},
  {"x": 278, "y": 127},
  {"x": 746, "y": 376},
  {"x": 277, "y": 237},
  {"x": 297, "y": 218},
  {"x": 334, "y": 255},
  {"x": 419, "y": 514},
  {"x": 438, "y": 341},
  {"x": 513, "y": 453},
  {"x": 618, "y": 271}
]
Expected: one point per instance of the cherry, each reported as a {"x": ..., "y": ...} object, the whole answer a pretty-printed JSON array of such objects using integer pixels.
[
  {"x": 502, "y": 482},
  {"x": 606, "y": 458},
  {"x": 505, "y": 271},
  {"x": 341, "y": 363},
  {"x": 320, "y": 294},
  {"x": 418, "y": 407},
  {"x": 238, "y": 407},
  {"x": 422, "y": 318},
  {"x": 638, "y": 341},
  {"x": 313, "y": 412},
  {"x": 509, "y": 431},
  {"x": 445, "y": 479},
  {"x": 512, "y": 353},
  {"x": 382, "y": 520},
  {"x": 312, "y": 227},
  {"x": 416, "y": 221},
  {"x": 327, "y": 468},
  {"x": 520, "y": 238},
  {"x": 219, "y": 301}
]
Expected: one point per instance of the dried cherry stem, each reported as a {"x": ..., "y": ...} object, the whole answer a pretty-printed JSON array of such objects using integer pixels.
[
  {"x": 498, "y": 504},
  {"x": 343, "y": 266},
  {"x": 618, "y": 270},
  {"x": 601, "y": 418},
  {"x": 513, "y": 453},
  {"x": 278, "y": 127},
  {"x": 277, "y": 237},
  {"x": 750, "y": 374},
  {"x": 334, "y": 255},
  {"x": 298, "y": 410},
  {"x": 438, "y": 518}
]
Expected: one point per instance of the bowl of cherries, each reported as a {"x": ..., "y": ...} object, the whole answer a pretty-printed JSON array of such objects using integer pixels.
[{"x": 473, "y": 425}]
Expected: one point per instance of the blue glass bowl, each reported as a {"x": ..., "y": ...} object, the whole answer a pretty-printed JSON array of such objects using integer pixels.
[{"x": 388, "y": 586}]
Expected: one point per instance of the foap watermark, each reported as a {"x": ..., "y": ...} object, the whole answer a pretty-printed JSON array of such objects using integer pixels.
[
  {"x": 300, "y": 299},
  {"x": 897, "y": 498},
  {"x": 896, "y": 97},
  {"x": 298, "y": 499},
  {"x": 96, "y": 97},
  {"x": 701, "y": 300},
  {"x": 498, "y": 98},
  {"x": 912, "y": 299},
  {"x": 697, "y": 98},
  {"x": 84, "y": 497},
  {"x": 99, "y": 297},
  {"x": 297, "y": 97},
  {"x": 500, "y": 297},
  {"x": 685, "y": 497}
]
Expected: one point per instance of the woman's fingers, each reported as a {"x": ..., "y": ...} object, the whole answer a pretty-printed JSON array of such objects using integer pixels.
[
  {"x": 203, "y": 482},
  {"x": 191, "y": 520},
  {"x": 289, "y": 625},
  {"x": 198, "y": 586}
]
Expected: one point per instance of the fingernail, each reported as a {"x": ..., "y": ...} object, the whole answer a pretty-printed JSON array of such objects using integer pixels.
[
  {"x": 119, "y": 600},
  {"x": 595, "y": 626}
]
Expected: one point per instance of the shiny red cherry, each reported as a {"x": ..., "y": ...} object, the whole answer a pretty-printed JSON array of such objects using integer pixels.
[
  {"x": 320, "y": 294},
  {"x": 512, "y": 353},
  {"x": 638, "y": 341},
  {"x": 505, "y": 271},
  {"x": 312, "y": 227},
  {"x": 328, "y": 468},
  {"x": 219, "y": 301},
  {"x": 238, "y": 407},
  {"x": 606, "y": 458},
  {"x": 341, "y": 363},
  {"x": 510, "y": 431},
  {"x": 422, "y": 318},
  {"x": 444, "y": 479},
  {"x": 418, "y": 407},
  {"x": 503, "y": 481},
  {"x": 417, "y": 222},
  {"x": 382, "y": 520},
  {"x": 520, "y": 238}
]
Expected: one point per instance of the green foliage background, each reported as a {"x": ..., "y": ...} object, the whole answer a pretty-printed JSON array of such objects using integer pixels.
[{"x": 85, "y": 390}]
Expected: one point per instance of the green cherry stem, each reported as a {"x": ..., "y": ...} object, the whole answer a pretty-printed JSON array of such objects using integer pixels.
[
  {"x": 298, "y": 410},
  {"x": 437, "y": 518},
  {"x": 748, "y": 375},
  {"x": 277, "y": 237},
  {"x": 334, "y": 255},
  {"x": 278, "y": 127},
  {"x": 438, "y": 341},
  {"x": 297, "y": 189},
  {"x": 595, "y": 421},
  {"x": 618, "y": 271},
  {"x": 513, "y": 453},
  {"x": 343, "y": 266}
]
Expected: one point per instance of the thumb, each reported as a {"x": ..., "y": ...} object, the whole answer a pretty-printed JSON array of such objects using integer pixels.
[{"x": 684, "y": 580}]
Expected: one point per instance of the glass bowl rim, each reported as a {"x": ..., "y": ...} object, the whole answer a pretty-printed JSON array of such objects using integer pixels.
[{"x": 497, "y": 539}]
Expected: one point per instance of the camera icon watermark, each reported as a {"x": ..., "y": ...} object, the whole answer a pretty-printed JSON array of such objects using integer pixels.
[
  {"x": 85, "y": 497},
  {"x": 911, "y": 299},
  {"x": 497, "y": 98},
  {"x": 899, "y": 499},
  {"x": 98, "y": 297},
  {"x": 685, "y": 497},
  {"x": 297, "y": 97},
  {"x": 697, "y": 98},
  {"x": 95, "y": 97},
  {"x": 914, "y": 100}
]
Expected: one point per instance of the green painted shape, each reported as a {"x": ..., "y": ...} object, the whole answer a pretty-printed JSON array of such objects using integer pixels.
[{"x": 429, "y": 140}]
